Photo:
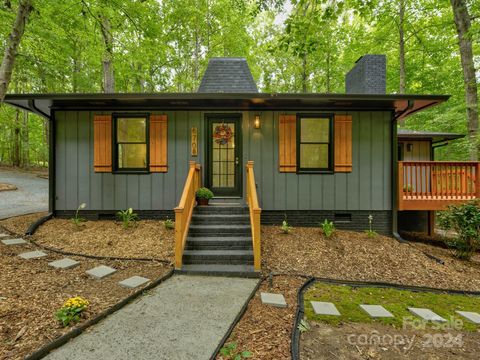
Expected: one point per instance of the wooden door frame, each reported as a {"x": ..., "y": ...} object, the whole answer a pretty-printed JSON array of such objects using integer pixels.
[{"x": 233, "y": 117}]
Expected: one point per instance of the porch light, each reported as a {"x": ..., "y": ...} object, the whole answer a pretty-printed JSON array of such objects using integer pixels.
[
  {"x": 409, "y": 147},
  {"x": 256, "y": 123}
]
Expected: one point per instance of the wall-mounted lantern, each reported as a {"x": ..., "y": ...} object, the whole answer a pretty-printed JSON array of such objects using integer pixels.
[
  {"x": 256, "y": 123},
  {"x": 409, "y": 147}
]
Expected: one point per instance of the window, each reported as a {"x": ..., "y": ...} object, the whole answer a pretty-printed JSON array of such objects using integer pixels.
[
  {"x": 131, "y": 143},
  {"x": 314, "y": 137}
]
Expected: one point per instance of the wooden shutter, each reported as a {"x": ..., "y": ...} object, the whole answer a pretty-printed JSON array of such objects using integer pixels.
[
  {"x": 288, "y": 143},
  {"x": 102, "y": 137},
  {"x": 158, "y": 143},
  {"x": 343, "y": 143}
]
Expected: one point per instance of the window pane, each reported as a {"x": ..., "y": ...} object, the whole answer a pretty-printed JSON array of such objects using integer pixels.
[
  {"x": 132, "y": 156},
  {"x": 314, "y": 156},
  {"x": 314, "y": 129},
  {"x": 131, "y": 130}
]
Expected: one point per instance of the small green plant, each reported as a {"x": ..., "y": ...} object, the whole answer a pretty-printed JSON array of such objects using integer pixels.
[
  {"x": 169, "y": 224},
  {"x": 464, "y": 219},
  {"x": 286, "y": 228},
  {"x": 204, "y": 193},
  {"x": 77, "y": 220},
  {"x": 127, "y": 217},
  {"x": 408, "y": 188},
  {"x": 71, "y": 311},
  {"x": 230, "y": 352},
  {"x": 370, "y": 232},
  {"x": 328, "y": 228},
  {"x": 303, "y": 326}
]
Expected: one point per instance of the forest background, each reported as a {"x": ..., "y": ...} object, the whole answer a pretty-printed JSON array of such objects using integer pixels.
[{"x": 91, "y": 46}]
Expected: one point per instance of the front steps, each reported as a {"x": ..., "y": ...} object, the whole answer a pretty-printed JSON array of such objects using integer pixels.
[{"x": 219, "y": 241}]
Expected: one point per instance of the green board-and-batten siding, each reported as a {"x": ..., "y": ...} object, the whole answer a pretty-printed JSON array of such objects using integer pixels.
[{"x": 367, "y": 187}]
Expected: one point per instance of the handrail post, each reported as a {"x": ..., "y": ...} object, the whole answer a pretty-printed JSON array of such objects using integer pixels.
[
  {"x": 400, "y": 185},
  {"x": 477, "y": 180},
  {"x": 178, "y": 237}
]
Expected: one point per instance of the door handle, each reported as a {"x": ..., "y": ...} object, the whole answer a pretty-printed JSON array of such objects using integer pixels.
[{"x": 236, "y": 160}]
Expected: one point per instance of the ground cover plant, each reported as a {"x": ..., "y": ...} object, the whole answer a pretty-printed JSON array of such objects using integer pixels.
[
  {"x": 347, "y": 300},
  {"x": 127, "y": 217}
]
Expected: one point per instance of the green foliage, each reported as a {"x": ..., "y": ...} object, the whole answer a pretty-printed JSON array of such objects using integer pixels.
[
  {"x": 370, "y": 232},
  {"x": 231, "y": 352},
  {"x": 204, "y": 193},
  {"x": 77, "y": 220},
  {"x": 328, "y": 228},
  {"x": 169, "y": 224},
  {"x": 303, "y": 326},
  {"x": 464, "y": 219},
  {"x": 127, "y": 217},
  {"x": 71, "y": 311},
  {"x": 286, "y": 228}
]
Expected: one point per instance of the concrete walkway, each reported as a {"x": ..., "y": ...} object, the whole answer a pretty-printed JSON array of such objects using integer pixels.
[
  {"x": 31, "y": 195},
  {"x": 183, "y": 318}
]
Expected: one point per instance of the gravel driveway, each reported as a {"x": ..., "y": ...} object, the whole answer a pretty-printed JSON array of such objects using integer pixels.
[{"x": 31, "y": 195}]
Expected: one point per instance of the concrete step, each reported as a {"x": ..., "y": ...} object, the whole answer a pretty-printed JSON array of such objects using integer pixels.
[
  {"x": 221, "y": 209},
  {"x": 220, "y": 219},
  {"x": 219, "y": 270},
  {"x": 219, "y": 230},
  {"x": 217, "y": 242},
  {"x": 218, "y": 257}
]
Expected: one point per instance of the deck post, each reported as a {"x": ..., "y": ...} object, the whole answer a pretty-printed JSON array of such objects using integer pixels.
[
  {"x": 477, "y": 180},
  {"x": 400, "y": 185}
]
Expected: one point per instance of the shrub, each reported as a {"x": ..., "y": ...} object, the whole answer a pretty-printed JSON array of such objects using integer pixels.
[
  {"x": 230, "y": 352},
  {"x": 71, "y": 310},
  {"x": 286, "y": 228},
  {"x": 464, "y": 219},
  {"x": 370, "y": 232},
  {"x": 204, "y": 193},
  {"x": 127, "y": 217},
  {"x": 77, "y": 220},
  {"x": 169, "y": 224},
  {"x": 328, "y": 228}
]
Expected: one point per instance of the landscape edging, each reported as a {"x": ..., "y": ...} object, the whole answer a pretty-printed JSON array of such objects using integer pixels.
[
  {"x": 46, "y": 349},
  {"x": 295, "y": 340}
]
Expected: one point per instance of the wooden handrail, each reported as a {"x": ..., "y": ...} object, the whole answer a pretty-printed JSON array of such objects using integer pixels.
[
  {"x": 184, "y": 210},
  {"x": 255, "y": 211}
]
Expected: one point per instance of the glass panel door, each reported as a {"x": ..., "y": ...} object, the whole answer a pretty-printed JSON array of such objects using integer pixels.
[{"x": 224, "y": 159}]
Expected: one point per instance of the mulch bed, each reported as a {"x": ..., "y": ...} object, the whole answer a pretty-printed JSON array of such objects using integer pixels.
[
  {"x": 145, "y": 239},
  {"x": 31, "y": 291},
  {"x": 266, "y": 331},
  {"x": 7, "y": 187}
]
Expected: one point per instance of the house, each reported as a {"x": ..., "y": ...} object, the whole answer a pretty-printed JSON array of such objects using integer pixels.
[{"x": 315, "y": 156}]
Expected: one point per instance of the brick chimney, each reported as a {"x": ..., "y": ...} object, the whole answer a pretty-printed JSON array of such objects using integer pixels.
[{"x": 368, "y": 76}]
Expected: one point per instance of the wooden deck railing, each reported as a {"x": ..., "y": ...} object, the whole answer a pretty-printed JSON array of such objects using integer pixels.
[
  {"x": 255, "y": 211},
  {"x": 183, "y": 212},
  {"x": 432, "y": 185}
]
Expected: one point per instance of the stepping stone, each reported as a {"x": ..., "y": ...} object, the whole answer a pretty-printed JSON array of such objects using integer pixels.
[
  {"x": 32, "y": 255},
  {"x": 14, "y": 242},
  {"x": 426, "y": 314},
  {"x": 472, "y": 316},
  {"x": 133, "y": 282},
  {"x": 3, "y": 235},
  {"x": 276, "y": 300},
  {"x": 64, "y": 263},
  {"x": 324, "y": 308},
  {"x": 101, "y": 271},
  {"x": 377, "y": 311}
]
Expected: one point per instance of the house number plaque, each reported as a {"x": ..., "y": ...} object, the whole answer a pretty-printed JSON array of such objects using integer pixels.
[{"x": 194, "y": 142}]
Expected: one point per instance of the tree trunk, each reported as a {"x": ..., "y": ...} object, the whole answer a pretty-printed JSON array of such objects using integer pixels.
[
  {"x": 463, "y": 23},
  {"x": 6, "y": 68},
  {"x": 401, "y": 52},
  {"x": 16, "y": 140},
  {"x": 108, "y": 75},
  {"x": 304, "y": 73},
  {"x": 25, "y": 141}
]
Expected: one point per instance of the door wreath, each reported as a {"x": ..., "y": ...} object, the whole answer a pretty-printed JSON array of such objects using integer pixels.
[{"x": 222, "y": 134}]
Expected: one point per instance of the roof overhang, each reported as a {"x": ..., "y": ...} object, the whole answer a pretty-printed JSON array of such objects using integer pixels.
[
  {"x": 434, "y": 137},
  {"x": 401, "y": 105}
]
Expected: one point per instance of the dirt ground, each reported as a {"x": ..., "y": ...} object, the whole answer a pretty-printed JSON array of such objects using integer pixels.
[
  {"x": 31, "y": 291},
  {"x": 378, "y": 341},
  {"x": 354, "y": 256}
]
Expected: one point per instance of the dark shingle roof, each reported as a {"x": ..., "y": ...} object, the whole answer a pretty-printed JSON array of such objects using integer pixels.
[
  {"x": 227, "y": 75},
  {"x": 427, "y": 135}
]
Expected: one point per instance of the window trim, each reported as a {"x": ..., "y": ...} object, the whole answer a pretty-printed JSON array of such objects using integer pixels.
[
  {"x": 115, "y": 168},
  {"x": 331, "y": 145}
]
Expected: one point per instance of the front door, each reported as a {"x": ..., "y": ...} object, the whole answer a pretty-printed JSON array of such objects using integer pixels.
[{"x": 224, "y": 169}]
